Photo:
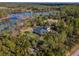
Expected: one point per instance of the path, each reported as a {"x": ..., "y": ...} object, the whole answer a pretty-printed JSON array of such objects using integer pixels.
[
  {"x": 73, "y": 51},
  {"x": 24, "y": 30},
  {"x": 5, "y": 18}
]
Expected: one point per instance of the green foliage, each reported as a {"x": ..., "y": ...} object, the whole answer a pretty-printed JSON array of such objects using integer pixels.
[{"x": 55, "y": 42}]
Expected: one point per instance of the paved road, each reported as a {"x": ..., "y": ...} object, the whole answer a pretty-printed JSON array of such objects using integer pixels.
[{"x": 76, "y": 53}]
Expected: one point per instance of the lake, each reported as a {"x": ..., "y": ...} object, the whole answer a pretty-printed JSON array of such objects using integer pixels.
[{"x": 14, "y": 17}]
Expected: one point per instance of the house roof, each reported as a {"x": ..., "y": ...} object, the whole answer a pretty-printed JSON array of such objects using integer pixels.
[{"x": 40, "y": 30}]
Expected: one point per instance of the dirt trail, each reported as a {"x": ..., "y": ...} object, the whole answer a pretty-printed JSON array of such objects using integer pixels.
[
  {"x": 5, "y": 18},
  {"x": 73, "y": 50},
  {"x": 24, "y": 30}
]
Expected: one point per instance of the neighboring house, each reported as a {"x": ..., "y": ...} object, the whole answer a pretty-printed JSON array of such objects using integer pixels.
[{"x": 41, "y": 30}]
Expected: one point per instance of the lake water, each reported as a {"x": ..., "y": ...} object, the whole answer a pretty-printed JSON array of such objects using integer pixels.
[{"x": 13, "y": 18}]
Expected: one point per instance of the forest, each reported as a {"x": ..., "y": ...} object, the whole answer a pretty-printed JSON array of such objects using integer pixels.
[{"x": 62, "y": 37}]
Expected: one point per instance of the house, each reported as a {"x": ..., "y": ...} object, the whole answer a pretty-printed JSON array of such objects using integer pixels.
[{"x": 41, "y": 30}]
